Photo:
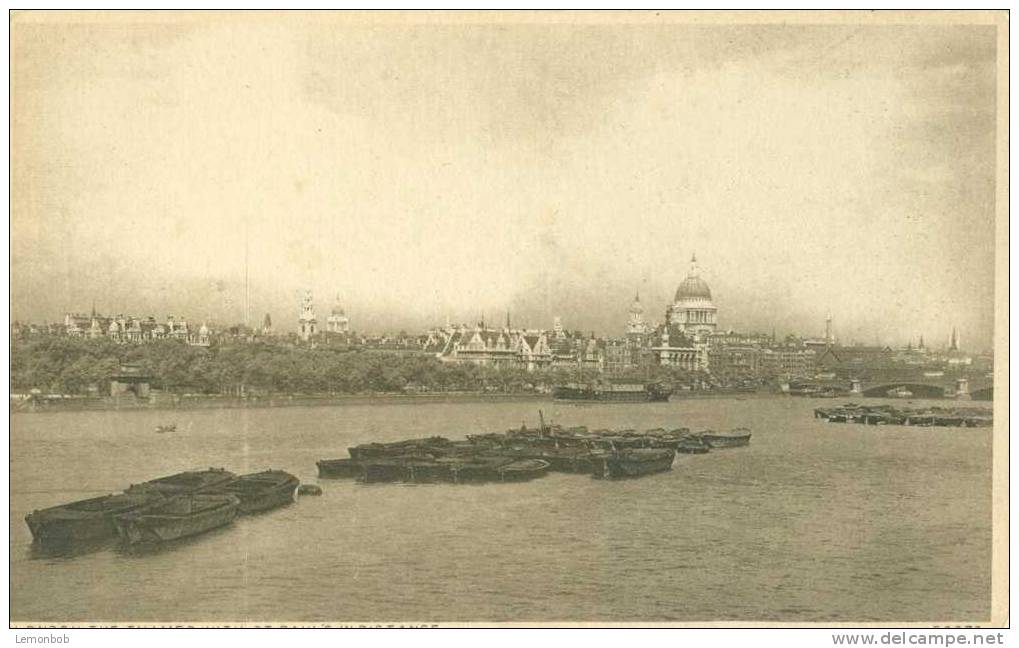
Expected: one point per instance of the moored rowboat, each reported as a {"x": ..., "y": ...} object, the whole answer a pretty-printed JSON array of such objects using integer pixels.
[
  {"x": 693, "y": 444},
  {"x": 494, "y": 468},
  {"x": 523, "y": 470},
  {"x": 636, "y": 462},
  {"x": 733, "y": 439}
]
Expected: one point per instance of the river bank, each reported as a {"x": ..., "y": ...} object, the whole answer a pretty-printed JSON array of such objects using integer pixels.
[
  {"x": 229, "y": 402},
  {"x": 194, "y": 402}
]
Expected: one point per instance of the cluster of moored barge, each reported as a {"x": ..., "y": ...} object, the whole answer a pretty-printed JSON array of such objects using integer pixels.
[
  {"x": 195, "y": 502},
  {"x": 891, "y": 415},
  {"x": 164, "y": 509},
  {"x": 526, "y": 453}
]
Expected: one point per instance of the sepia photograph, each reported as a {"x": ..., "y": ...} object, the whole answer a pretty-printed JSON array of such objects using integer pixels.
[{"x": 396, "y": 319}]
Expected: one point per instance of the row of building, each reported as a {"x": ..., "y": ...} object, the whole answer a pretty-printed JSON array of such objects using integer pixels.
[
  {"x": 530, "y": 349},
  {"x": 129, "y": 329},
  {"x": 688, "y": 338}
]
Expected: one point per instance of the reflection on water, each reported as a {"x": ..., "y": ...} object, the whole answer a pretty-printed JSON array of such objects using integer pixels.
[
  {"x": 811, "y": 522},
  {"x": 56, "y": 549},
  {"x": 143, "y": 549}
]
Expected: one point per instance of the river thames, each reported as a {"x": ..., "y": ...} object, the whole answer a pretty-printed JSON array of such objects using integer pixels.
[{"x": 813, "y": 522}]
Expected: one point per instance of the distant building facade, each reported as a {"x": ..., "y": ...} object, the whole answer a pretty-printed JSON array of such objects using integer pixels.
[
  {"x": 133, "y": 330},
  {"x": 530, "y": 349}
]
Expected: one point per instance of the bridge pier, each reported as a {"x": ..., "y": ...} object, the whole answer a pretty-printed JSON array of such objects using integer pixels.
[{"x": 962, "y": 389}]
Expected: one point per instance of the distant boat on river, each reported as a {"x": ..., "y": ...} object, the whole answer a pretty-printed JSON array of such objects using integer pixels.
[{"x": 613, "y": 392}]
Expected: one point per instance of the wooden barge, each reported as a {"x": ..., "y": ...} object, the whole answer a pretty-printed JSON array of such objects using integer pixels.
[
  {"x": 890, "y": 415},
  {"x": 177, "y": 517},
  {"x": 524, "y": 453},
  {"x": 87, "y": 520},
  {"x": 92, "y": 519},
  {"x": 262, "y": 491},
  {"x": 613, "y": 392},
  {"x": 185, "y": 483},
  {"x": 164, "y": 508},
  {"x": 450, "y": 470}
]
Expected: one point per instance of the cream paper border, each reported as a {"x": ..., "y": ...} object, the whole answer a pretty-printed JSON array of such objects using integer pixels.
[{"x": 1000, "y": 460}]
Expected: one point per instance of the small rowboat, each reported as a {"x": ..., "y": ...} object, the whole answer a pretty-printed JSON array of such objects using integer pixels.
[
  {"x": 160, "y": 429},
  {"x": 177, "y": 517},
  {"x": 733, "y": 439},
  {"x": 499, "y": 468},
  {"x": 636, "y": 462},
  {"x": 693, "y": 444},
  {"x": 523, "y": 470}
]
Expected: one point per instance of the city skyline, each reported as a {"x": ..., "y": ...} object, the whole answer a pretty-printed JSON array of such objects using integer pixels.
[
  {"x": 282, "y": 325},
  {"x": 421, "y": 186}
]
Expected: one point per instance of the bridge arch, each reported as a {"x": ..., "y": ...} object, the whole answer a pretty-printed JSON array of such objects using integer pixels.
[
  {"x": 918, "y": 390},
  {"x": 985, "y": 394}
]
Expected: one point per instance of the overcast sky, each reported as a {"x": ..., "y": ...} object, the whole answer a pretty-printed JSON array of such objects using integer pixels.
[{"x": 420, "y": 172}]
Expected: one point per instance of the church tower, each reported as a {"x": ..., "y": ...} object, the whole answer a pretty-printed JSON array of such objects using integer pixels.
[
  {"x": 636, "y": 324},
  {"x": 338, "y": 322},
  {"x": 307, "y": 323},
  {"x": 637, "y": 333}
]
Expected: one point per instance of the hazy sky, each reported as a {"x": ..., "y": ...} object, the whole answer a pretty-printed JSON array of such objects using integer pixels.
[{"x": 420, "y": 171}]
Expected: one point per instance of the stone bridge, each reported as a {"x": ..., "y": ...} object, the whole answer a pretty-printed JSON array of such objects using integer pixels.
[{"x": 963, "y": 388}]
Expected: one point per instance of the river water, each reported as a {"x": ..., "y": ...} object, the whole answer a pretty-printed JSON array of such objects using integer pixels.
[{"x": 811, "y": 522}]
